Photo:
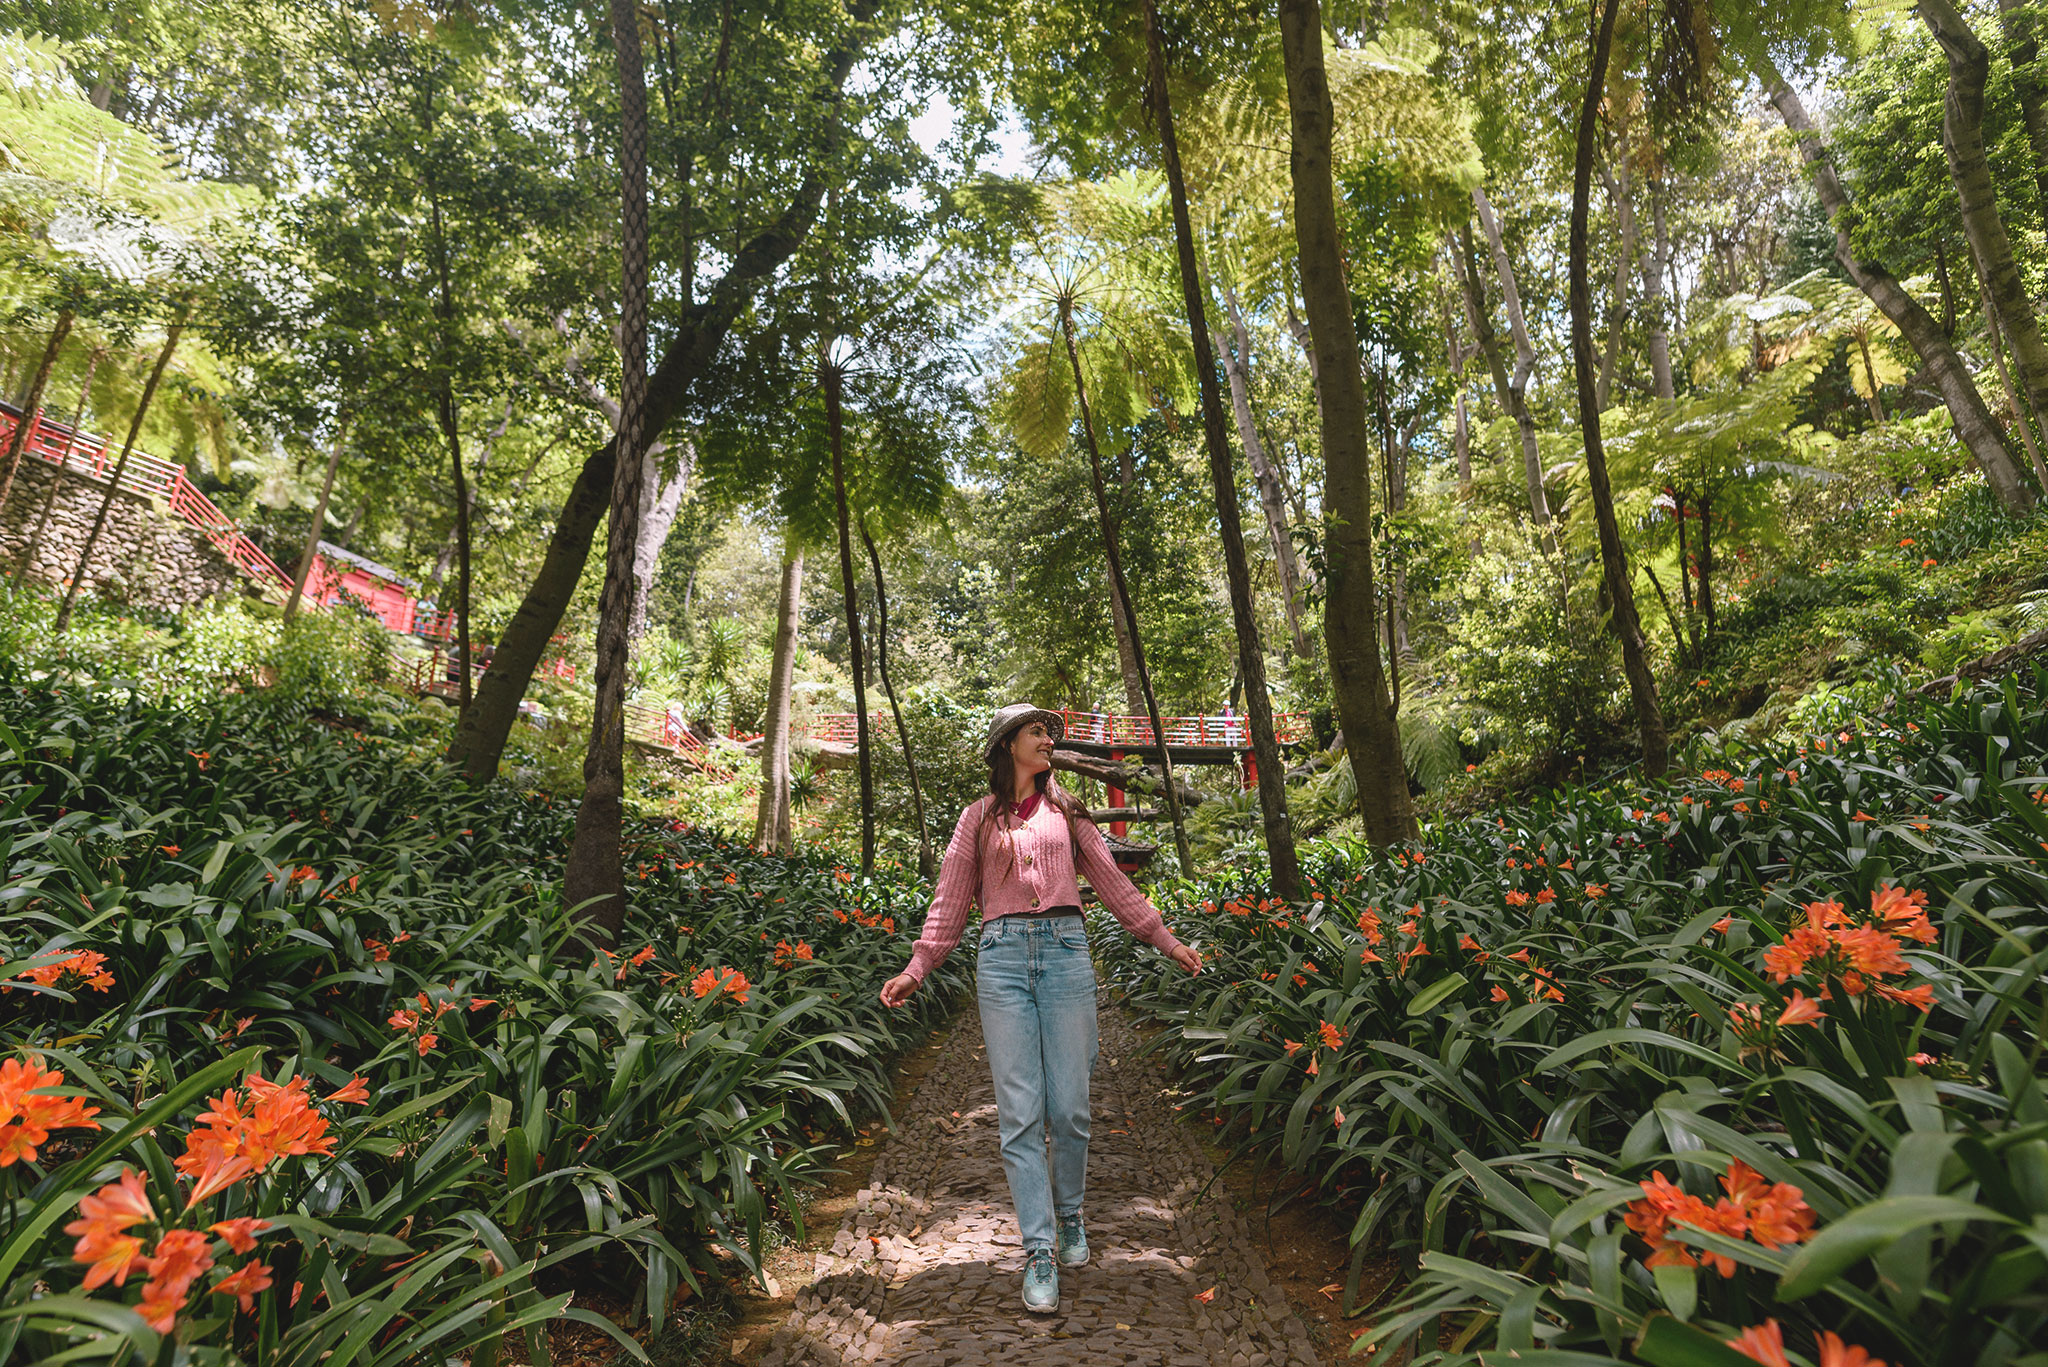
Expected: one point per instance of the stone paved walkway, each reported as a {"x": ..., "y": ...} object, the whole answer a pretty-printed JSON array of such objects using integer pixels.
[{"x": 925, "y": 1272}]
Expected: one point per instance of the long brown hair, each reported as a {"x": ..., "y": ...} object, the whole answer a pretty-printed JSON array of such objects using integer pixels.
[{"x": 1002, "y": 783}]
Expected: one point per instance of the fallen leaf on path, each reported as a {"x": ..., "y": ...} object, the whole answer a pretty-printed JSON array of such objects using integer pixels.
[
  {"x": 1330, "y": 1291},
  {"x": 1206, "y": 1296}
]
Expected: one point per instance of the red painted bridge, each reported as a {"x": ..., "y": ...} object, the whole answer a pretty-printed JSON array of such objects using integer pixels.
[{"x": 1222, "y": 731}]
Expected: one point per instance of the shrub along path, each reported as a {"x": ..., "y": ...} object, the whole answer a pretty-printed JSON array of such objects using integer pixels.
[{"x": 925, "y": 1272}]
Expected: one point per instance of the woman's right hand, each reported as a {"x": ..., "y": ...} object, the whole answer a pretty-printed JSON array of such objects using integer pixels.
[{"x": 897, "y": 990}]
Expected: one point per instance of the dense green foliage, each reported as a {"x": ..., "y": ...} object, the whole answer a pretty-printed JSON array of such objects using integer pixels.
[
  {"x": 1489, "y": 1044},
  {"x": 275, "y": 894}
]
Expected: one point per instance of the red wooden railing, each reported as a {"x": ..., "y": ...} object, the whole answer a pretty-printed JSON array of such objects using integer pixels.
[
  {"x": 1102, "y": 728},
  {"x": 94, "y": 458}
]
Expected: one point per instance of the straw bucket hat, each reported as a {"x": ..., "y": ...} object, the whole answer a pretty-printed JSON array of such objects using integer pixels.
[{"x": 1017, "y": 714}]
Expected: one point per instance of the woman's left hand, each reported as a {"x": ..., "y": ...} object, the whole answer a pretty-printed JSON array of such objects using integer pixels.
[{"x": 1187, "y": 957}]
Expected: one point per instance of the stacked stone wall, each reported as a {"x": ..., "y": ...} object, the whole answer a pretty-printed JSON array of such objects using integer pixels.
[{"x": 145, "y": 558}]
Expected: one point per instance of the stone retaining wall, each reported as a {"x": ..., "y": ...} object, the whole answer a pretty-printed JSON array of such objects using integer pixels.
[{"x": 144, "y": 557}]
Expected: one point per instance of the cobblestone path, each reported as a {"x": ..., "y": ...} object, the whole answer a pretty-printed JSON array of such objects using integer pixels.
[{"x": 926, "y": 1270}]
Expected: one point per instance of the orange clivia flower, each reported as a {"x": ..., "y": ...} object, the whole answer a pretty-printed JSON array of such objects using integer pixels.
[
  {"x": 355, "y": 1092},
  {"x": 28, "y": 1113},
  {"x": 1596, "y": 890},
  {"x": 426, "y": 1043},
  {"x": 1516, "y": 898},
  {"x": 1500, "y": 993},
  {"x": 1764, "y": 1343},
  {"x": 1545, "y": 897},
  {"x": 240, "y": 1233},
  {"x": 1801, "y": 1010},
  {"x": 1835, "y": 1353},
  {"x": 263, "y": 1123},
  {"x": 87, "y": 968},
  {"x": 1290, "y": 1046},
  {"x": 1333, "y": 1038},
  {"x": 103, "y": 1217},
  {"x": 1921, "y": 997},
  {"x": 243, "y": 1284},
  {"x": 729, "y": 981},
  {"x": 181, "y": 1258}
]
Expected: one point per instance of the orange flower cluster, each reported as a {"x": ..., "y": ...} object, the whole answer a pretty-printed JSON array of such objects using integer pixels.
[
  {"x": 1832, "y": 944},
  {"x": 28, "y": 1113},
  {"x": 1748, "y": 1017},
  {"x": 1333, "y": 1038},
  {"x": 787, "y": 953},
  {"x": 886, "y": 924},
  {"x": 620, "y": 967},
  {"x": 415, "y": 1022},
  {"x": 1765, "y": 1343},
  {"x": 245, "y": 1129},
  {"x": 729, "y": 981},
  {"x": 381, "y": 952},
  {"x": 1774, "y": 1214},
  {"x": 181, "y": 1256},
  {"x": 87, "y": 968}
]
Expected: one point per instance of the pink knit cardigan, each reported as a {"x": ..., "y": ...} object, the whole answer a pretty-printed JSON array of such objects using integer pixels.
[{"x": 1014, "y": 867}]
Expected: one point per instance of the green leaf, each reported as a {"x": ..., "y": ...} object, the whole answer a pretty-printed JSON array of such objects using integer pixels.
[{"x": 1867, "y": 1229}]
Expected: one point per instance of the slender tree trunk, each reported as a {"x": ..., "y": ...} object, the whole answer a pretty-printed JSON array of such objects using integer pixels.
[
  {"x": 1127, "y": 657},
  {"x": 31, "y": 401},
  {"x": 1619, "y": 185},
  {"x": 1688, "y": 568},
  {"x": 1656, "y": 265},
  {"x": 830, "y": 380},
  {"x": 1962, "y": 136},
  {"x": 2023, "y": 47},
  {"x": 99, "y": 521},
  {"x": 699, "y": 333},
  {"x": 772, "y": 829},
  {"x": 312, "y": 550},
  {"x": 659, "y": 504},
  {"x": 1872, "y": 400},
  {"x": 1350, "y": 620},
  {"x": 485, "y": 449},
  {"x": 35, "y": 540},
  {"x": 1958, "y": 388},
  {"x": 1515, "y": 390},
  {"x": 593, "y": 879},
  {"x": 927, "y": 863},
  {"x": 2012, "y": 396},
  {"x": 1272, "y": 492},
  {"x": 1707, "y": 569},
  {"x": 1642, "y": 686},
  {"x": 1120, "y": 591},
  {"x": 1251, "y": 651}
]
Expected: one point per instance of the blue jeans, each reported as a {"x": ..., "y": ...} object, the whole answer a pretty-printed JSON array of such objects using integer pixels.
[{"x": 1036, "y": 985}]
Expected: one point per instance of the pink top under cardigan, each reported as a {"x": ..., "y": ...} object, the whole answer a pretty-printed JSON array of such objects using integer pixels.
[{"x": 1023, "y": 866}]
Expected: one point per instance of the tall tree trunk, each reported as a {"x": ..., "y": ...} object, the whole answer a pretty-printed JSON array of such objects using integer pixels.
[
  {"x": 1706, "y": 569},
  {"x": 312, "y": 550},
  {"x": 1120, "y": 590},
  {"x": 700, "y": 330},
  {"x": 489, "y": 445},
  {"x": 1958, "y": 388},
  {"x": 1656, "y": 265},
  {"x": 31, "y": 401},
  {"x": 830, "y": 379},
  {"x": 927, "y": 863},
  {"x": 1351, "y": 617},
  {"x": 1128, "y": 668},
  {"x": 593, "y": 879},
  {"x": 1642, "y": 686},
  {"x": 35, "y": 539},
  {"x": 1619, "y": 185},
  {"x": 99, "y": 521},
  {"x": 1272, "y": 492},
  {"x": 772, "y": 830},
  {"x": 1962, "y": 137},
  {"x": 659, "y": 504},
  {"x": 2012, "y": 395},
  {"x": 448, "y": 413},
  {"x": 2023, "y": 46},
  {"x": 1251, "y": 650},
  {"x": 1514, "y": 389}
]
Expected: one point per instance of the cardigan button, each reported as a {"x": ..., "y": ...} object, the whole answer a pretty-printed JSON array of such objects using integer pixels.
[{"x": 1034, "y": 904}]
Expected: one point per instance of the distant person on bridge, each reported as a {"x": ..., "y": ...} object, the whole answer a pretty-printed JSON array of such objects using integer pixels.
[{"x": 1016, "y": 852}]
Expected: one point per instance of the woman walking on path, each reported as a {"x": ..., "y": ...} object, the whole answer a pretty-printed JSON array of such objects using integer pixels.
[{"x": 1015, "y": 852}]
